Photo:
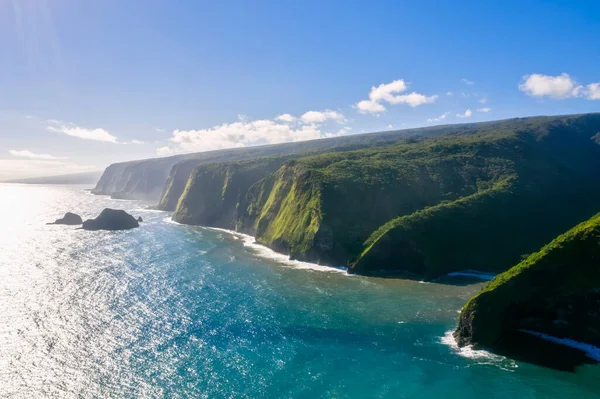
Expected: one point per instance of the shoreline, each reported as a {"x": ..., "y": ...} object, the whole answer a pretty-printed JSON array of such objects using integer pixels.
[{"x": 265, "y": 252}]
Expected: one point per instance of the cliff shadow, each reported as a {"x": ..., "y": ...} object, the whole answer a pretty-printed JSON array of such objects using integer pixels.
[{"x": 531, "y": 349}]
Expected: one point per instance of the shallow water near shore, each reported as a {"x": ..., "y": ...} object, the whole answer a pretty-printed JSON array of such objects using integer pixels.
[{"x": 178, "y": 311}]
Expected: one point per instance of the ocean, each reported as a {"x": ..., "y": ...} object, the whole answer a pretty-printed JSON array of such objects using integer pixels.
[{"x": 172, "y": 311}]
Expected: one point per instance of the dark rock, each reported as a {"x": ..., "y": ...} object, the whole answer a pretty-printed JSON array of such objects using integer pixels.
[
  {"x": 139, "y": 219},
  {"x": 111, "y": 219},
  {"x": 70, "y": 219}
]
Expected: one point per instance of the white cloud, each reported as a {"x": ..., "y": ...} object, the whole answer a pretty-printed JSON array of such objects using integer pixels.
[
  {"x": 368, "y": 106},
  {"x": 390, "y": 126},
  {"x": 467, "y": 114},
  {"x": 32, "y": 155},
  {"x": 80, "y": 132},
  {"x": 593, "y": 91},
  {"x": 484, "y": 100},
  {"x": 387, "y": 92},
  {"x": 159, "y": 130},
  {"x": 439, "y": 118},
  {"x": 556, "y": 87},
  {"x": 484, "y": 109},
  {"x": 249, "y": 133},
  {"x": 413, "y": 99},
  {"x": 467, "y": 81},
  {"x": 343, "y": 131},
  {"x": 136, "y": 142},
  {"x": 321, "y": 116},
  {"x": 286, "y": 118},
  {"x": 449, "y": 93}
]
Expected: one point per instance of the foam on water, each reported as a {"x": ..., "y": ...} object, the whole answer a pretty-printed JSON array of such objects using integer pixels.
[
  {"x": 479, "y": 355},
  {"x": 267, "y": 253}
]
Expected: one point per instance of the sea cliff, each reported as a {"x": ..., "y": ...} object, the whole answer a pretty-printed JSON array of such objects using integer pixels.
[
  {"x": 164, "y": 179},
  {"x": 555, "y": 291},
  {"x": 426, "y": 205}
]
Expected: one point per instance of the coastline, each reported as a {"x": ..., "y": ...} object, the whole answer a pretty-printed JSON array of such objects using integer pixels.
[{"x": 266, "y": 252}]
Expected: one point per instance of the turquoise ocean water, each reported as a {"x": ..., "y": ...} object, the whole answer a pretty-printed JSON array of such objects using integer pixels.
[{"x": 171, "y": 311}]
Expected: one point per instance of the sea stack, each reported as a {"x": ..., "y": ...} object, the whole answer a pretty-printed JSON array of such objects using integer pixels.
[
  {"x": 111, "y": 219},
  {"x": 139, "y": 219},
  {"x": 70, "y": 219}
]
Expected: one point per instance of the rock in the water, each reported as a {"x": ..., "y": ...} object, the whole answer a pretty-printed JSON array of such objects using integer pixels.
[
  {"x": 139, "y": 219},
  {"x": 111, "y": 219},
  {"x": 70, "y": 219}
]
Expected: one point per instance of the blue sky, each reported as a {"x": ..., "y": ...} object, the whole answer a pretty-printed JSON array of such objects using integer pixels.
[{"x": 84, "y": 84}]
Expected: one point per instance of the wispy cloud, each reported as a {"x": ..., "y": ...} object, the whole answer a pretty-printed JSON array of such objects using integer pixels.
[
  {"x": 439, "y": 118},
  {"x": 32, "y": 155},
  {"x": 321, "y": 116},
  {"x": 389, "y": 93},
  {"x": 484, "y": 109},
  {"x": 484, "y": 100},
  {"x": 97, "y": 134},
  {"x": 245, "y": 132},
  {"x": 466, "y": 114},
  {"x": 71, "y": 129},
  {"x": 467, "y": 81},
  {"x": 286, "y": 118}
]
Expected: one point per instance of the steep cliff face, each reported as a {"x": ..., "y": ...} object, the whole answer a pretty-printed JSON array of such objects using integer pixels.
[
  {"x": 142, "y": 180},
  {"x": 214, "y": 191},
  {"x": 164, "y": 179},
  {"x": 427, "y": 206},
  {"x": 553, "y": 184},
  {"x": 175, "y": 184},
  {"x": 555, "y": 291},
  {"x": 323, "y": 208}
]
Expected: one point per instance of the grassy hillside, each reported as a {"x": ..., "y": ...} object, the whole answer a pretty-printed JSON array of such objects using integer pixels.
[
  {"x": 468, "y": 199},
  {"x": 555, "y": 291},
  {"x": 162, "y": 180}
]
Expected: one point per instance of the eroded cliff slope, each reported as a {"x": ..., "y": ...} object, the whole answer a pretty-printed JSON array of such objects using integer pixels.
[
  {"x": 469, "y": 199},
  {"x": 164, "y": 179}
]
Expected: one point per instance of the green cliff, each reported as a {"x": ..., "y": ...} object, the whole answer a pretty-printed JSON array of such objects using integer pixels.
[
  {"x": 164, "y": 179},
  {"x": 425, "y": 205},
  {"x": 213, "y": 191},
  {"x": 555, "y": 291}
]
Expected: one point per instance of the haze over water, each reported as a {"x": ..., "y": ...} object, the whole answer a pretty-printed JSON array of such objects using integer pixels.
[{"x": 177, "y": 311}]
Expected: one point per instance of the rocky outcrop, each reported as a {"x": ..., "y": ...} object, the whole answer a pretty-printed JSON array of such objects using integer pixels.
[
  {"x": 139, "y": 219},
  {"x": 111, "y": 219},
  {"x": 555, "y": 291},
  {"x": 70, "y": 219}
]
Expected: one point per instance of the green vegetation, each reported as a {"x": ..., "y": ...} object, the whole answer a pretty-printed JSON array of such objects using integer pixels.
[
  {"x": 475, "y": 197},
  {"x": 554, "y": 291},
  {"x": 213, "y": 191}
]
